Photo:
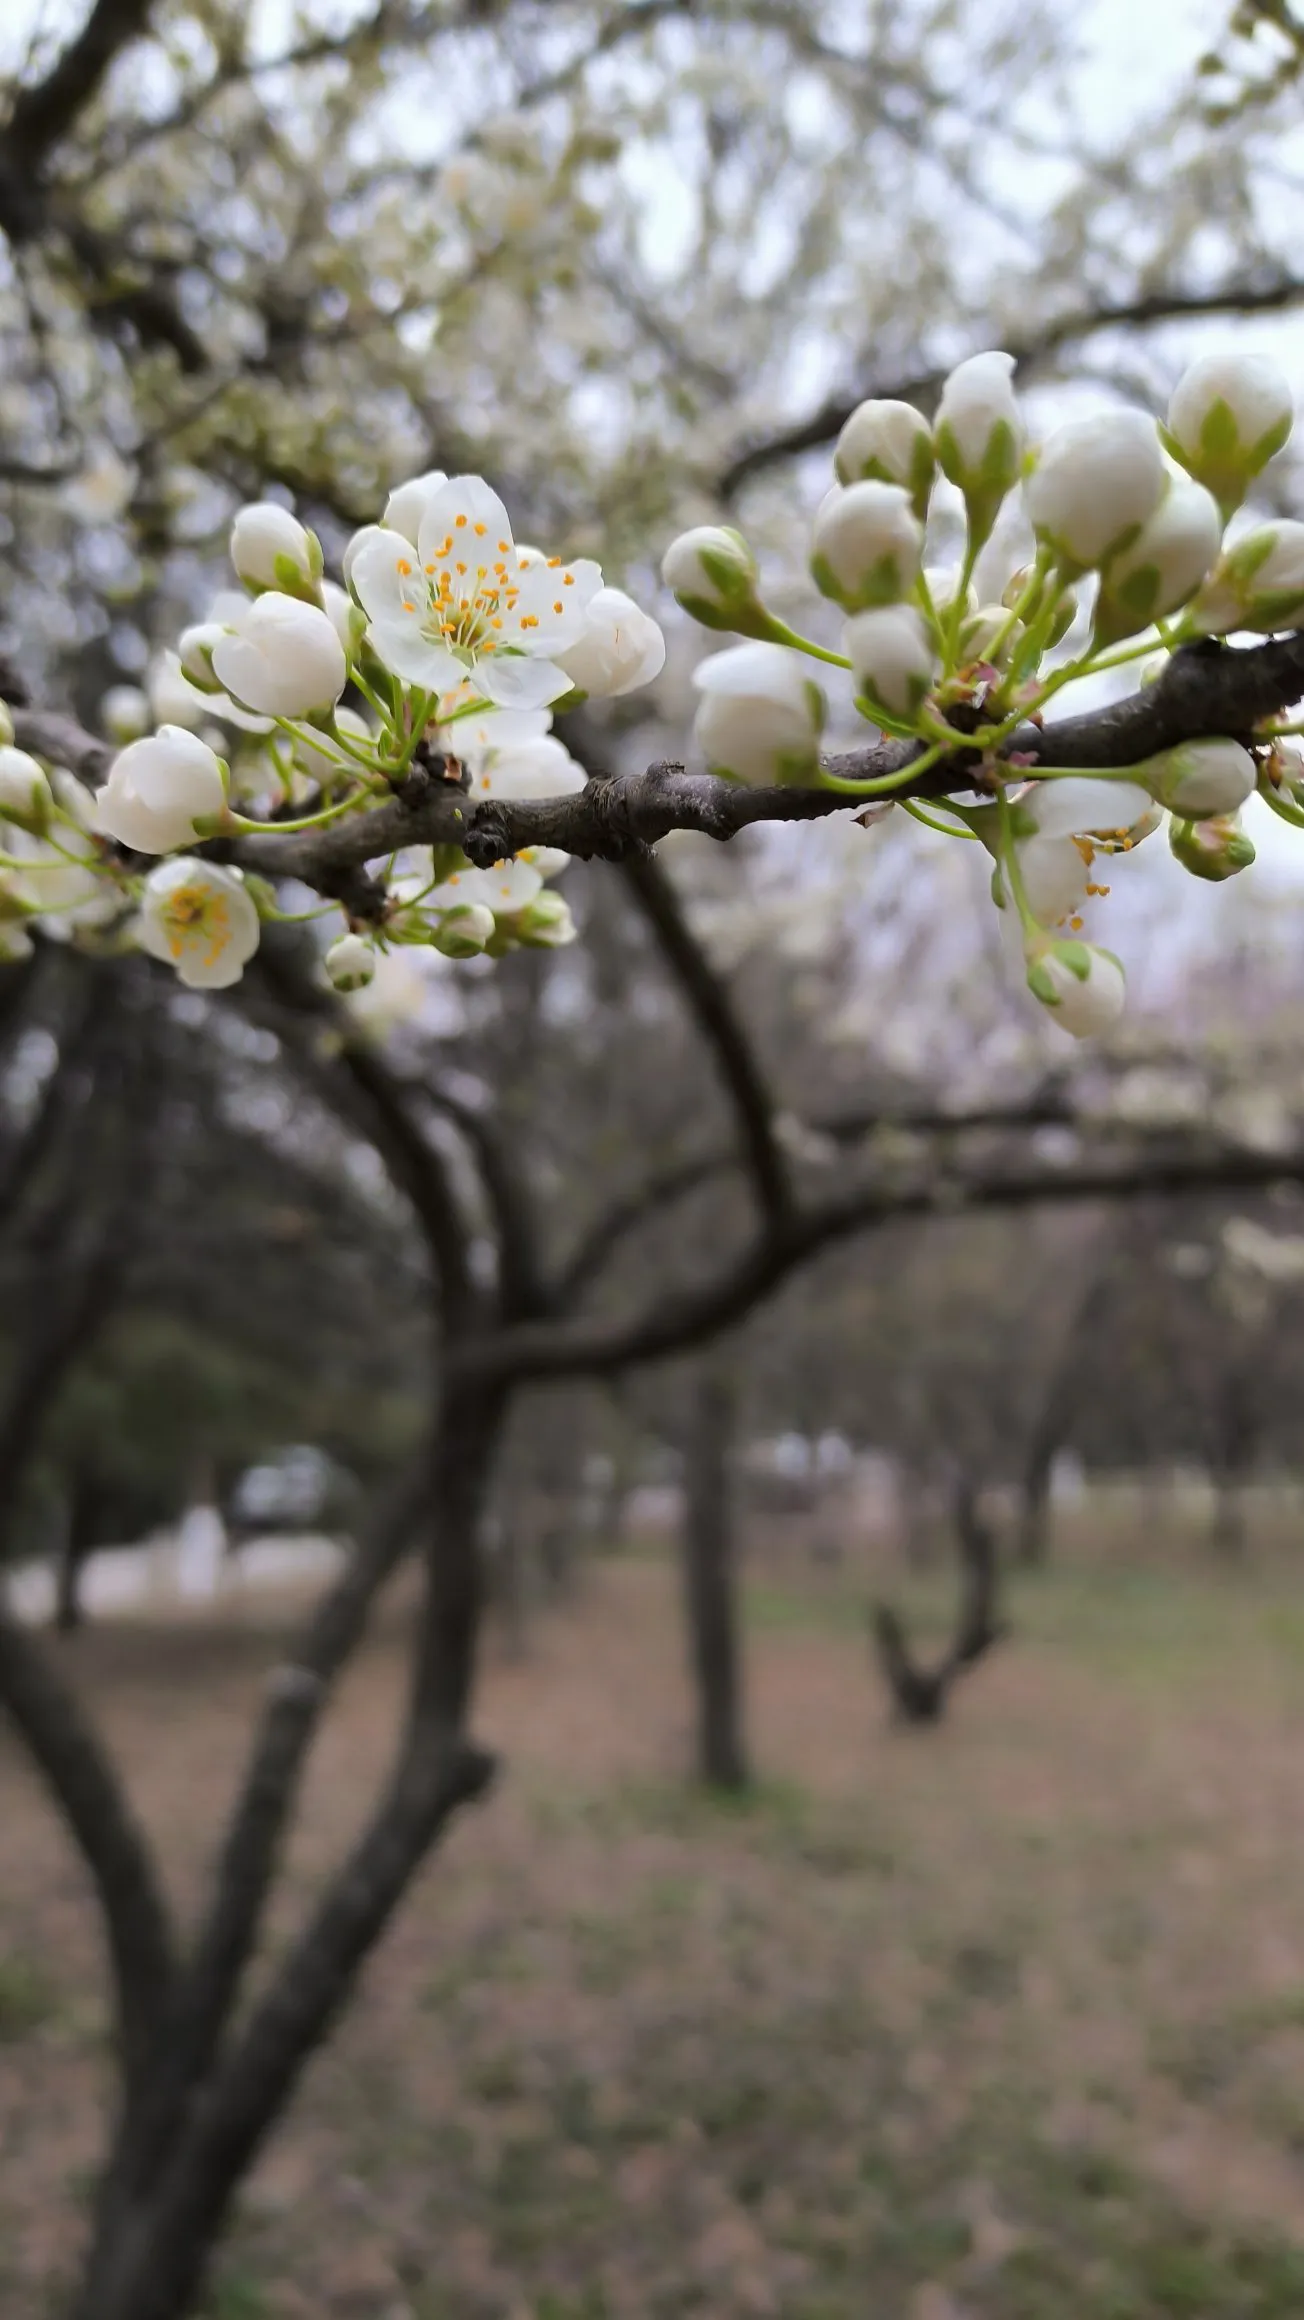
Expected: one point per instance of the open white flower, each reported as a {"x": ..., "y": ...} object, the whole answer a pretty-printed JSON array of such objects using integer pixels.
[
  {"x": 866, "y": 545},
  {"x": 761, "y": 713},
  {"x": 1062, "y": 827},
  {"x": 1096, "y": 482},
  {"x": 1171, "y": 554},
  {"x": 270, "y": 548},
  {"x": 407, "y": 503},
  {"x": 461, "y": 605},
  {"x": 158, "y": 789},
  {"x": 1228, "y": 415},
  {"x": 198, "y": 917},
  {"x": 539, "y": 768},
  {"x": 622, "y": 648},
  {"x": 283, "y": 659},
  {"x": 510, "y": 886},
  {"x": 1082, "y": 988}
]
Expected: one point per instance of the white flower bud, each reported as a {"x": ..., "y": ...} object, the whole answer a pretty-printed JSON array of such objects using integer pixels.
[
  {"x": 407, "y": 503},
  {"x": 1258, "y": 583},
  {"x": 125, "y": 712},
  {"x": 979, "y": 436},
  {"x": 1172, "y": 553},
  {"x": 1096, "y": 482},
  {"x": 713, "y": 574},
  {"x": 1214, "y": 850},
  {"x": 866, "y": 546},
  {"x": 463, "y": 931},
  {"x": 159, "y": 790},
  {"x": 25, "y": 795},
  {"x": 1229, "y": 414},
  {"x": 943, "y": 584},
  {"x": 546, "y": 924},
  {"x": 1200, "y": 779},
  {"x": 988, "y": 631},
  {"x": 1081, "y": 987},
  {"x": 891, "y": 656},
  {"x": 348, "y": 619},
  {"x": 621, "y": 648},
  {"x": 283, "y": 660},
  {"x": 350, "y": 963},
  {"x": 199, "y": 918},
  {"x": 195, "y": 653},
  {"x": 354, "y": 547},
  {"x": 270, "y": 548},
  {"x": 761, "y": 714},
  {"x": 888, "y": 442}
]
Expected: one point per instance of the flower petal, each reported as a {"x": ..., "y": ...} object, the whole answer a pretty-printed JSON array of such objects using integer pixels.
[
  {"x": 411, "y": 655},
  {"x": 514, "y": 681}
]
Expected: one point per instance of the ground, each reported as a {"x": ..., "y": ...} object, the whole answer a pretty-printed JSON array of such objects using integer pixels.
[{"x": 998, "y": 2022}]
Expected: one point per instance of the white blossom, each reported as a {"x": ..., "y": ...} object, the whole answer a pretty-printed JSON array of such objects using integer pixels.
[
  {"x": 891, "y": 655},
  {"x": 407, "y": 503},
  {"x": 350, "y": 963},
  {"x": 199, "y": 918},
  {"x": 345, "y": 618},
  {"x": 1061, "y": 827},
  {"x": 159, "y": 789},
  {"x": 1082, "y": 988},
  {"x": 283, "y": 659},
  {"x": 761, "y": 714},
  {"x": 979, "y": 435},
  {"x": 25, "y": 793},
  {"x": 461, "y": 605},
  {"x": 621, "y": 649},
  {"x": 270, "y": 548},
  {"x": 507, "y": 888},
  {"x": 1164, "y": 565},
  {"x": 885, "y": 441},
  {"x": 866, "y": 545},
  {"x": 539, "y": 768},
  {"x": 712, "y": 572},
  {"x": 125, "y": 712},
  {"x": 1095, "y": 483},
  {"x": 1229, "y": 414},
  {"x": 1200, "y": 779},
  {"x": 1258, "y": 583}
]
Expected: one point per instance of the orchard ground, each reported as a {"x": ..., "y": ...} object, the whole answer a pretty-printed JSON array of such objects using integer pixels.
[{"x": 999, "y": 2022}]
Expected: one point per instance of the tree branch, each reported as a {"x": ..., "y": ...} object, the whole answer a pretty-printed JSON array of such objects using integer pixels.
[{"x": 45, "y": 112}]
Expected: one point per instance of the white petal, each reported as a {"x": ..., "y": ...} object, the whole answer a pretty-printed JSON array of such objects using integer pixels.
[{"x": 514, "y": 681}]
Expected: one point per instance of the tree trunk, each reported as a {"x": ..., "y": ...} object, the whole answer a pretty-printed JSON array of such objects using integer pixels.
[
  {"x": 711, "y": 1589},
  {"x": 78, "y": 1539},
  {"x": 1032, "y": 1537},
  {"x": 1227, "y": 1530},
  {"x": 185, "y": 2145}
]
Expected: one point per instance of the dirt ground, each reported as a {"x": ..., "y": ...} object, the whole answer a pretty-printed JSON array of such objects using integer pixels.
[{"x": 1000, "y": 2022}]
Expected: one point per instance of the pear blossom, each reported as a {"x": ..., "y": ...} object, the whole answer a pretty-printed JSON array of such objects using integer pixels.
[
  {"x": 1214, "y": 849},
  {"x": 407, "y": 503},
  {"x": 761, "y": 714},
  {"x": 198, "y": 917},
  {"x": 283, "y": 659},
  {"x": 350, "y": 963},
  {"x": 885, "y": 441},
  {"x": 546, "y": 924},
  {"x": 1258, "y": 583},
  {"x": 621, "y": 648},
  {"x": 25, "y": 793},
  {"x": 510, "y": 886},
  {"x": 1060, "y": 828},
  {"x": 362, "y": 539},
  {"x": 866, "y": 545},
  {"x": 1081, "y": 987},
  {"x": 460, "y": 604},
  {"x": 125, "y": 712},
  {"x": 1172, "y": 553},
  {"x": 942, "y": 583},
  {"x": 159, "y": 790},
  {"x": 270, "y": 548},
  {"x": 348, "y": 622},
  {"x": 712, "y": 572},
  {"x": 538, "y": 768},
  {"x": 464, "y": 931},
  {"x": 1229, "y": 415},
  {"x": 979, "y": 436},
  {"x": 1096, "y": 482},
  {"x": 1201, "y": 779},
  {"x": 892, "y": 658},
  {"x": 988, "y": 633}
]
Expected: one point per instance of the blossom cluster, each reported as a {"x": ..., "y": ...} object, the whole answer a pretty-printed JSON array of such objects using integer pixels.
[
  {"x": 1138, "y": 548},
  {"x": 301, "y": 701}
]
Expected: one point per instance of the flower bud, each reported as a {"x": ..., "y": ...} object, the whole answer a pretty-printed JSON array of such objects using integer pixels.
[
  {"x": 545, "y": 924},
  {"x": 461, "y": 933},
  {"x": 621, "y": 648},
  {"x": 888, "y": 442},
  {"x": 1258, "y": 583},
  {"x": 1081, "y": 986},
  {"x": 1214, "y": 849},
  {"x": 1172, "y": 553},
  {"x": 1096, "y": 482},
  {"x": 350, "y": 963},
  {"x": 892, "y": 658},
  {"x": 1229, "y": 414},
  {"x": 866, "y": 546},
  {"x": 125, "y": 712},
  {"x": 989, "y": 634},
  {"x": 284, "y": 658},
  {"x": 195, "y": 653},
  {"x": 348, "y": 619},
  {"x": 270, "y": 548},
  {"x": 1200, "y": 779},
  {"x": 979, "y": 436},
  {"x": 407, "y": 503},
  {"x": 1019, "y": 585},
  {"x": 942, "y": 582},
  {"x": 160, "y": 791},
  {"x": 713, "y": 574},
  {"x": 761, "y": 714},
  {"x": 25, "y": 795}
]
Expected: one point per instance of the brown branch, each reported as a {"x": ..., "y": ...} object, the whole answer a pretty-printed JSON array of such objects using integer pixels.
[
  {"x": 824, "y": 424},
  {"x": 45, "y": 112}
]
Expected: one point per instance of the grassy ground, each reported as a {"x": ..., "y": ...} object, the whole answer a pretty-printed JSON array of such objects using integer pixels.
[{"x": 1003, "y": 2022}]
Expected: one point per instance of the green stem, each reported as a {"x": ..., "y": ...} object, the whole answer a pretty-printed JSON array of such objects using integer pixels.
[
  {"x": 251, "y": 829},
  {"x": 782, "y": 634},
  {"x": 920, "y": 813},
  {"x": 886, "y": 782}
]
